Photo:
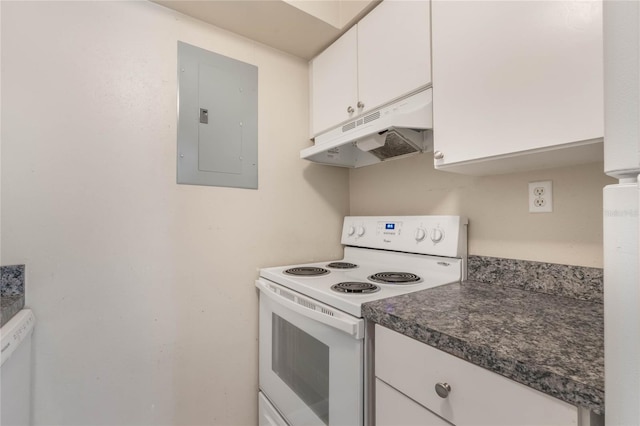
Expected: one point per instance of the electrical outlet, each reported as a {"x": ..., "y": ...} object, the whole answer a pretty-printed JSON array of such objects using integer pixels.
[{"x": 540, "y": 197}]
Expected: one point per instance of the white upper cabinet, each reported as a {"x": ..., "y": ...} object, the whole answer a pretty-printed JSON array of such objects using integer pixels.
[
  {"x": 334, "y": 83},
  {"x": 384, "y": 57},
  {"x": 622, "y": 88},
  {"x": 516, "y": 85},
  {"x": 394, "y": 51}
]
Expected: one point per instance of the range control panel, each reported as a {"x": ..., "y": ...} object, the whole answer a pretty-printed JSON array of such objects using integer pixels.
[
  {"x": 389, "y": 228},
  {"x": 434, "y": 235}
]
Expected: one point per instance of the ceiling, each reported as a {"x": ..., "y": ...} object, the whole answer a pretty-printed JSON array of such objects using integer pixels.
[{"x": 302, "y": 28}]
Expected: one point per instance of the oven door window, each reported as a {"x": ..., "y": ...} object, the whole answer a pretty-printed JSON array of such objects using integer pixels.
[{"x": 302, "y": 362}]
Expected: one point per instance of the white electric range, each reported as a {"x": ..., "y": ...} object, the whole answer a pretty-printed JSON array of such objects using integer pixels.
[{"x": 312, "y": 350}]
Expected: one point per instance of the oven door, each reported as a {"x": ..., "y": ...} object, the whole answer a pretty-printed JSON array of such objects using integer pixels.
[{"x": 311, "y": 358}]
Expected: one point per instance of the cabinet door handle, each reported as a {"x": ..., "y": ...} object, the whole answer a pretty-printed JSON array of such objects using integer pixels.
[
  {"x": 360, "y": 104},
  {"x": 443, "y": 389},
  {"x": 438, "y": 155},
  {"x": 350, "y": 109}
]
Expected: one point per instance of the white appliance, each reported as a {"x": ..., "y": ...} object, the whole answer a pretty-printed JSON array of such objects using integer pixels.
[
  {"x": 621, "y": 205},
  {"x": 15, "y": 371},
  {"x": 391, "y": 131},
  {"x": 313, "y": 339}
]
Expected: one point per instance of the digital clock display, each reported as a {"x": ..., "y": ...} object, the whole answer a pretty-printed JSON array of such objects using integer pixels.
[{"x": 390, "y": 226}]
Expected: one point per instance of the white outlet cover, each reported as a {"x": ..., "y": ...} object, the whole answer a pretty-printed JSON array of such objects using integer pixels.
[{"x": 541, "y": 197}]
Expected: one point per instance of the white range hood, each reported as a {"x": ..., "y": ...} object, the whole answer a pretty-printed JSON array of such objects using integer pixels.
[{"x": 392, "y": 131}]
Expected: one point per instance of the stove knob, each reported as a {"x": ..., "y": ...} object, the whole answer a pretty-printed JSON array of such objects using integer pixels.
[
  {"x": 360, "y": 231},
  {"x": 351, "y": 231},
  {"x": 437, "y": 235},
  {"x": 420, "y": 234}
]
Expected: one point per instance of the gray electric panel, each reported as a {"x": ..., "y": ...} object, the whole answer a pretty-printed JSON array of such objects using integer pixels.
[{"x": 217, "y": 119}]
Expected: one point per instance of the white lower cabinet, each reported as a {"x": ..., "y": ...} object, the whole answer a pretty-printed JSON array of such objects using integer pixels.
[{"x": 407, "y": 372}]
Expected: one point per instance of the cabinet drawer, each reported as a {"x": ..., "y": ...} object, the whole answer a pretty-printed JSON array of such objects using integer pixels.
[
  {"x": 477, "y": 396},
  {"x": 395, "y": 409}
]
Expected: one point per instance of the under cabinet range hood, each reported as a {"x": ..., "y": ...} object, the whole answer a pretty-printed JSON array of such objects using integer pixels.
[{"x": 392, "y": 131}]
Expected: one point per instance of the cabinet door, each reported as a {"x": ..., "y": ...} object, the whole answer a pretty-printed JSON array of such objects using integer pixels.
[
  {"x": 394, "y": 51},
  {"x": 395, "y": 409},
  {"x": 511, "y": 77},
  {"x": 334, "y": 86}
]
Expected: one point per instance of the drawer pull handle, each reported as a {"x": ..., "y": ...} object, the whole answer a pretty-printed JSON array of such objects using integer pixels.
[{"x": 443, "y": 389}]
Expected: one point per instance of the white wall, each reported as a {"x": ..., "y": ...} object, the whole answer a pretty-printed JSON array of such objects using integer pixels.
[
  {"x": 143, "y": 289},
  {"x": 497, "y": 207}
]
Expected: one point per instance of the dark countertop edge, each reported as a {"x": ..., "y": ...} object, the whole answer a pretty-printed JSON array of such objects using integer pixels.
[
  {"x": 11, "y": 305},
  {"x": 543, "y": 380}
]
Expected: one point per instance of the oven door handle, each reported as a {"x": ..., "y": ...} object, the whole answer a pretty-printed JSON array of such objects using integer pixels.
[{"x": 339, "y": 320}]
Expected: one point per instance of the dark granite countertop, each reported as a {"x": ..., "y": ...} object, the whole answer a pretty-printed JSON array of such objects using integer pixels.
[
  {"x": 553, "y": 344},
  {"x": 11, "y": 291}
]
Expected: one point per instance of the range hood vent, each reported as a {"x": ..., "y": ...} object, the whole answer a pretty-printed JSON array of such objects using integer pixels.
[
  {"x": 394, "y": 143},
  {"x": 393, "y": 131}
]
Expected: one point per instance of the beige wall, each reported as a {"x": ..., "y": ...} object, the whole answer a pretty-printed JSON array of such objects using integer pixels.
[
  {"x": 335, "y": 12},
  {"x": 144, "y": 289},
  {"x": 350, "y": 9},
  {"x": 328, "y": 11},
  {"x": 497, "y": 207}
]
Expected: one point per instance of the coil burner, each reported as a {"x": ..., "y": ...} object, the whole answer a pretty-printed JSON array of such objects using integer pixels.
[
  {"x": 306, "y": 271},
  {"x": 355, "y": 287},
  {"x": 395, "y": 278},
  {"x": 342, "y": 265}
]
